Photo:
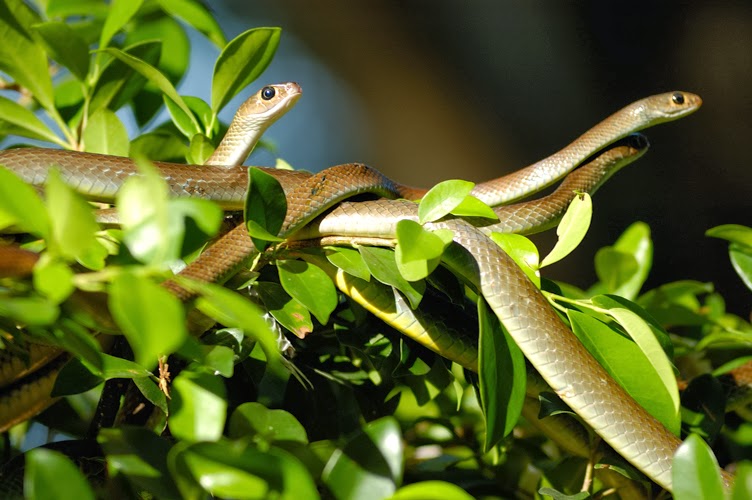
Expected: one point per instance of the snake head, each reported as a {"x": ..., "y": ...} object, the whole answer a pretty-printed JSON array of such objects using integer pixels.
[{"x": 671, "y": 105}]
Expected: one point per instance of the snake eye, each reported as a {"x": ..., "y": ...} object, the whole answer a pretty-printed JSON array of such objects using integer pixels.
[
  {"x": 677, "y": 97},
  {"x": 267, "y": 93}
]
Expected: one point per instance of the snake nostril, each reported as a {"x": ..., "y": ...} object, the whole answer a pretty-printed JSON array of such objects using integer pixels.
[{"x": 677, "y": 97}]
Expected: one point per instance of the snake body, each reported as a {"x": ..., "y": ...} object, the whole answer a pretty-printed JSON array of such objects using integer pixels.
[{"x": 545, "y": 340}]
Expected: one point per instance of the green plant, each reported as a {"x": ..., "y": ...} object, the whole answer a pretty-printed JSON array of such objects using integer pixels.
[{"x": 365, "y": 413}]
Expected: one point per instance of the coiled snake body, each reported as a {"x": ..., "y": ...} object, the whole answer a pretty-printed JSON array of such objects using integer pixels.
[{"x": 547, "y": 343}]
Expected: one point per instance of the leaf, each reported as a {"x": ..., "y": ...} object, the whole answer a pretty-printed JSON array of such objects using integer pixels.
[
  {"x": 141, "y": 456},
  {"x": 73, "y": 227},
  {"x": 473, "y": 207},
  {"x": 118, "y": 15},
  {"x": 557, "y": 495},
  {"x": 154, "y": 76},
  {"x": 20, "y": 205},
  {"x": 501, "y": 370},
  {"x": 349, "y": 260},
  {"x": 51, "y": 475},
  {"x": 106, "y": 134},
  {"x": 734, "y": 233},
  {"x": 695, "y": 473},
  {"x": 310, "y": 286},
  {"x": 742, "y": 481},
  {"x": 197, "y": 408},
  {"x": 53, "y": 279},
  {"x": 20, "y": 55},
  {"x": 290, "y": 313},
  {"x": 150, "y": 317},
  {"x": 624, "y": 267},
  {"x": 419, "y": 251},
  {"x": 197, "y": 15},
  {"x": 431, "y": 490},
  {"x": 200, "y": 149},
  {"x": 741, "y": 260},
  {"x": 241, "y": 62},
  {"x": 159, "y": 146},
  {"x": 442, "y": 199},
  {"x": 28, "y": 310},
  {"x": 382, "y": 265},
  {"x": 65, "y": 46},
  {"x": 627, "y": 364},
  {"x": 572, "y": 228},
  {"x": 185, "y": 123},
  {"x": 232, "y": 310},
  {"x": 265, "y": 207},
  {"x": 522, "y": 251},
  {"x": 273, "y": 426},
  {"x": 369, "y": 465},
  {"x": 119, "y": 83},
  {"x": 25, "y": 123},
  {"x": 234, "y": 470}
]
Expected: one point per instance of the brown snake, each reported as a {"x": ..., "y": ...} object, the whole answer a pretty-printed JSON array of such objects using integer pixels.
[{"x": 545, "y": 340}]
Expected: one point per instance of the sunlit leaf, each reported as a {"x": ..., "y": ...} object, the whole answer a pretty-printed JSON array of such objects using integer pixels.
[
  {"x": 289, "y": 312},
  {"x": 734, "y": 233},
  {"x": 197, "y": 15},
  {"x": 257, "y": 421},
  {"x": 265, "y": 207},
  {"x": 418, "y": 250},
  {"x": 26, "y": 123},
  {"x": 382, "y": 265},
  {"x": 20, "y": 205},
  {"x": 242, "y": 61},
  {"x": 310, "y": 286},
  {"x": 522, "y": 251},
  {"x": 695, "y": 473},
  {"x": 442, "y": 199},
  {"x": 572, "y": 229},
  {"x": 198, "y": 408}
]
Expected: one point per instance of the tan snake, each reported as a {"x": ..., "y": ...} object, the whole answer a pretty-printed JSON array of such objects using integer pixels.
[{"x": 516, "y": 301}]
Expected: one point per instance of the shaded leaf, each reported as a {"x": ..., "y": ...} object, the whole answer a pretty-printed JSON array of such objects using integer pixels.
[
  {"x": 197, "y": 408},
  {"x": 197, "y": 15},
  {"x": 51, "y": 475},
  {"x": 25, "y": 123},
  {"x": 257, "y": 421},
  {"x": 383, "y": 267},
  {"x": 65, "y": 46}
]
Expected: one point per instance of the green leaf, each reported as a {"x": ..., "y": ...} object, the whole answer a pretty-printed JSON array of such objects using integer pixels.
[
  {"x": 21, "y": 56},
  {"x": 154, "y": 76},
  {"x": 418, "y": 250},
  {"x": 20, "y": 205},
  {"x": 695, "y": 473},
  {"x": 106, "y": 134},
  {"x": 522, "y": 251},
  {"x": 310, "y": 286},
  {"x": 557, "y": 495},
  {"x": 272, "y": 426},
  {"x": 628, "y": 365},
  {"x": 198, "y": 408},
  {"x": 53, "y": 279},
  {"x": 369, "y": 466},
  {"x": 51, "y": 475},
  {"x": 171, "y": 34},
  {"x": 349, "y": 260},
  {"x": 382, "y": 265},
  {"x": 290, "y": 313},
  {"x": 197, "y": 15},
  {"x": 152, "y": 233},
  {"x": 185, "y": 123},
  {"x": 119, "y": 83},
  {"x": 431, "y": 490},
  {"x": 141, "y": 456},
  {"x": 232, "y": 310},
  {"x": 501, "y": 369},
  {"x": 25, "y": 123},
  {"x": 73, "y": 226},
  {"x": 442, "y": 199},
  {"x": 152, "y": 392},
  {"x": 30, "y": 311},
  {"x": 159, "y": 146},
  {"x": 742, "y": 481},
  {"x": 200, "y": 149},
  {"x": 241, "y": 62},
  {"x": 624, "y": 267},
  {"x": 150, "y": 317},
  {"x": 265, "y": 207},
  {"x": 234, "y": 470},
  {"x": 572, "y": 228},
  {"x": 65, "y": 46},
  {"x": 734, "y": 233},
  {"x": 473, "y": 207},
  {"x": 118, "y": 15},
  {"x": 741, "y": 260}
]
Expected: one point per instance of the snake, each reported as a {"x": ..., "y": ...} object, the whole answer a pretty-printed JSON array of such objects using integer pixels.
[{"x": 545, "y": 340}]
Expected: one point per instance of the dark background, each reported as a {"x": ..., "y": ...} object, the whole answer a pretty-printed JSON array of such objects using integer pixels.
[{"x": 431, "y": 90}]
